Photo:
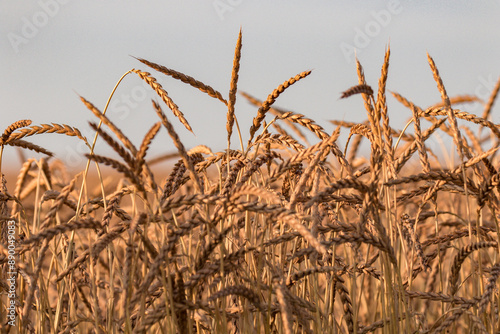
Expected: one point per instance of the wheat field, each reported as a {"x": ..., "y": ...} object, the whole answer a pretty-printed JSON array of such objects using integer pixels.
[{"x": 271, "y": 235}]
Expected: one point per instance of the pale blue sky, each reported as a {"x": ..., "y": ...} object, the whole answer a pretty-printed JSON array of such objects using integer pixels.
[{"x": 51, "y": 50}]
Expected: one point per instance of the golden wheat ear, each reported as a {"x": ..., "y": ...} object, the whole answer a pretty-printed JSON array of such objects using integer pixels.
[
  {"x": 29, "y": 146},
  {"x": 358, "y": 89},
  {"x": 151, "y": 81},
  {"x": 13, "y": 127},
  {"x": 178, "y": 144},
  {"x": 457, "y": 137},
  {"x": 184, "y": 78},
  {"x": 261, "y": 113},
  {"x": 232, "y": 90},
  {"x": 104, "y": 119}
]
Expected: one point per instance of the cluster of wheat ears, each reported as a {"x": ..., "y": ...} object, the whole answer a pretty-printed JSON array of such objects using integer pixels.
[{"x": 278, "y": 236}]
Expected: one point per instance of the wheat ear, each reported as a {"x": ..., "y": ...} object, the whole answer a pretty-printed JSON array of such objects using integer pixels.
[
  {"x": 124, "y": 139},
  {"x": 184, "y": 78},
  {"x": 119, "y": 167},
  {"x": 13, "y": 127},
  {"x": 232, "y": 90},
  {"x": 381, "y": 106},
  {"x": 373, "y": 117},
  {"x": 148, "y": 138},
  {"x": 358, "y": 89},
  {"x": 277, "y": 112},
  {"x": 261, "y": 113},
  {"x": 58, "y": 202},
  {"x": 30, "y": 146},
  {"x": 424, "y": 160},
  {"x": 46, "y": 128},
  {"x": 162, "y": 93},
  {"x": 457, "y": 138},
  {"x": 491, "y": 100},
  {"x": 459, "y": 259},
  {"x": 122, "y": 152},
  {"x": 178, "y": 144}
]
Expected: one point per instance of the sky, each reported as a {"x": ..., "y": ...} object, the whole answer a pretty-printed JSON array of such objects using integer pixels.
[{"x": 53, "y": 51}]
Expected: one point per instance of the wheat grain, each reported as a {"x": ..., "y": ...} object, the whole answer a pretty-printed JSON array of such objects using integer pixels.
[
  {"x": 466, "y": 116},
  {"x": 21, "y": 178},
  {"x": 346, "y": 302}
]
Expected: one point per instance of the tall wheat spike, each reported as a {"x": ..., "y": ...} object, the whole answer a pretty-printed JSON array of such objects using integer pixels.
[
  {"x": 457, "y": 138},
  {"x": 233, "y": 89},
  {"x": 162, "y": 93}
]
